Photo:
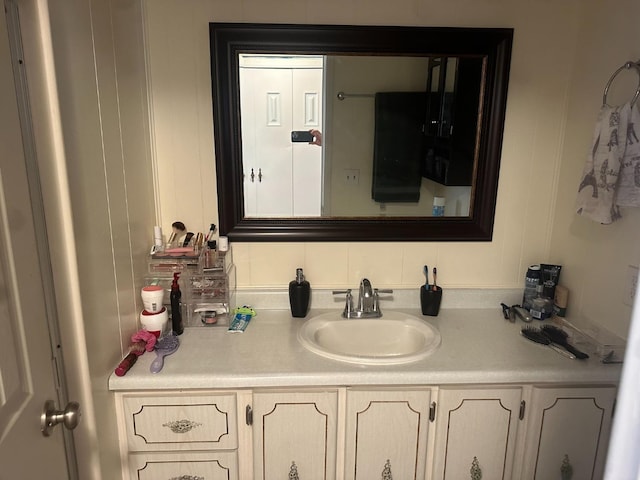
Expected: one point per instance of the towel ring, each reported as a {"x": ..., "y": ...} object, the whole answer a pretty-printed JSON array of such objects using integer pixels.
[{"x": 626, "y": 66}]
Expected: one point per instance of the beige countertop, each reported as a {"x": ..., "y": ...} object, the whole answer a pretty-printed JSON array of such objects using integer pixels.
[{"x": 478, "y": 347}]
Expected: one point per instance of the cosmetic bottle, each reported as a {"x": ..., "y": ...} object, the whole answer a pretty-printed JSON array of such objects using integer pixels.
[
  {"x": 299, "y": 295},
  {"x": 531, "y": 282},
  {"x": 438, "y": 206},
  {"x": 176, "y": 305},
  {"x": 541, "y": 306}
]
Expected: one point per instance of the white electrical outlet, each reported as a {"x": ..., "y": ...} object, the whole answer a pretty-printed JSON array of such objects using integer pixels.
[
  {"x": 351, "y": 176},
  {"x": 630, "y": 285}
]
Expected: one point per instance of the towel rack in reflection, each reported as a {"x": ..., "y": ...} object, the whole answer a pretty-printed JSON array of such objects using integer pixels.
[
  {"x": 342, "y": 95},
  {"x": 626, "y": 66}
]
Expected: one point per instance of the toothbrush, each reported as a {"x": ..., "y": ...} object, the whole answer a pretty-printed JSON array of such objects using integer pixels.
[
  {"x": 435, "y": 276},
  {"x": 426, "y": 274}
]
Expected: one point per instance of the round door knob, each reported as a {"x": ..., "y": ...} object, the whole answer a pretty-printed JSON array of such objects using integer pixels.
[{"x": 51, "y": 417}]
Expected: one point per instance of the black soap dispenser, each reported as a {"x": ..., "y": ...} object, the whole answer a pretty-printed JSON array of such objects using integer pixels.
[{"x": 299, "y": 295}]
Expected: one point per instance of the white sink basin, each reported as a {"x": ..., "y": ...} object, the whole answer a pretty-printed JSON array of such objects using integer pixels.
[{"x": 393, "y": 339}]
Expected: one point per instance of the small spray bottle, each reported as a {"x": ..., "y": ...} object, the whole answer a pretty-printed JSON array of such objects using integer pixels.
[
  {"x": 299, "y": 295},
  {"x": 176, "y": 305}
]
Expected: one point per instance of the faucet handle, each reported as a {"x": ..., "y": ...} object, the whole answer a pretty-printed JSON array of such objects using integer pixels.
[
  {"x": 342, "y": 292},
  {"x": 348, "y": 306},
  {"x": 376, "y": 298}
]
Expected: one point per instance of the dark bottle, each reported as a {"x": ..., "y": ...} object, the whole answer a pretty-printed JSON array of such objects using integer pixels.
[
  {"x": 176, "y": 306},
  {"x": 299, "y": 294}
]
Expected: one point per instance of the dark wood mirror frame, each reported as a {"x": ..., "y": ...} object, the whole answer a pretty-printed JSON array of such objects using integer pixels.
[{"x": 230, "y": 39}]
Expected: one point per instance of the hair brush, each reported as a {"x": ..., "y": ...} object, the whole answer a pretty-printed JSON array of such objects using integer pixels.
[
  {"x": 536, "y": 335},
  {"x": 165, "y": 346},
  {"x": 141, "y": 341},
  {"x": 559, "y": 336},
  {"x": 135, "y": 350}
]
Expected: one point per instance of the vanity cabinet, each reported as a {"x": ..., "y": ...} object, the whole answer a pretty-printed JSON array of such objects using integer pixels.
[
  {"x": 295, "y": 435},
  {"x": 502, "y": 432},
  {"x": 386, "y": 434},
  {"x": 171, "y": 435},
  {"x": 476, "y": 432},
  {"x": 567, "y": 433}
]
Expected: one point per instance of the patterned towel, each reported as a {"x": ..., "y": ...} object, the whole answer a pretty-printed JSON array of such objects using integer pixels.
[
  {"x": 628, "y": 194},
  {"x": 597, "y": 191}
]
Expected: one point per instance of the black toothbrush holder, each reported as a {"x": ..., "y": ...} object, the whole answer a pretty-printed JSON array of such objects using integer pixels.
[{"x": 430, "y": 299}]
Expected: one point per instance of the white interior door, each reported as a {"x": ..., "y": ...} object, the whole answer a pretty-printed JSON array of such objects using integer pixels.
[
  {"x": 26, "y": 366},
  {"x": 266, "y": 141},
  {"x": 281, "y": 178},
  {"x": 307, "y": 159}
]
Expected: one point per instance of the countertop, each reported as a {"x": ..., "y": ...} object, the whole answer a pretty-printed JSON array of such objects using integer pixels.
[{"x": 478, "y": 347}]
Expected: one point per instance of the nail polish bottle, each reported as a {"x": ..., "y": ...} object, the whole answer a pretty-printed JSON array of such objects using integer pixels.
[{"x": 299, "y": 295}]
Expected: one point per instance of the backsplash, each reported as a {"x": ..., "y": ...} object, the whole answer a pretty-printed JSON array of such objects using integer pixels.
[{"x": 277, "y": 299}]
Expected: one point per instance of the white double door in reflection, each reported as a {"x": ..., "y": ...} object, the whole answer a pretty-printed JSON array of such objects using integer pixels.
[{"x": 284, "y": 94}]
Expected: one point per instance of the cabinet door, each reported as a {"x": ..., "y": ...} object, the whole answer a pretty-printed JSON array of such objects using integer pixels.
[
  {"x": 183, "y": 466},
  {"x": 568, "y": 433},
  {"x": 476, "y": 433},
  {"x": 294, "y": 433},
  {"x": 386, "y": 434}
]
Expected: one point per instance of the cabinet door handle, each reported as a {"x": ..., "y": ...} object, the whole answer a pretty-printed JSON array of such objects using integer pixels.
[
  {"x": 386, "y": 471},
  {"x": 475, "y": 470},
  {"x": 523, "y": 406},
  {"x": 248, "y": 415},
  {"x": 260, "y": 175},
  {"x": 293, "y": 472},
  {"x": 566, "y": 470},
  {"x": 252, "y": 176},
  {"x": 432, "y": 411}
]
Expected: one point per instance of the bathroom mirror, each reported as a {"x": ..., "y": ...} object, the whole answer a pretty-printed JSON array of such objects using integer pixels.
[{"x": 422, "y": 56}]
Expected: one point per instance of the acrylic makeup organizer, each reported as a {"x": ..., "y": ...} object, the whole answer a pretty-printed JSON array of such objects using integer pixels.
[
  {"x": 207, "y": 282},
  {"x": 626, "y": 66}
]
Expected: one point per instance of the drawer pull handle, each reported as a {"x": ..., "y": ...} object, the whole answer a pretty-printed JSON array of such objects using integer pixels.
[
  {"x": 187, "y": 477},
  {"x": 293, "y": 472},
  {"x": 386, "y": 472},
  {"x": 475, "y": 470},
  {"x": 181, "y": 426}
]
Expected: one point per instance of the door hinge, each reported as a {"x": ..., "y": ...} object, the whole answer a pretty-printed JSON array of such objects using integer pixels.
[
  {"x": 432, "y": 411},
  {"x": 523, "y": 406},
  {"x": 248, "y": 415}
]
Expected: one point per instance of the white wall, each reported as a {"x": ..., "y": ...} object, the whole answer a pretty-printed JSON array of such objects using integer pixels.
[
  {"x": 542, "y": 63},
  {"x": 99, "y": 68},
  {"x": 595, "y": 256}
]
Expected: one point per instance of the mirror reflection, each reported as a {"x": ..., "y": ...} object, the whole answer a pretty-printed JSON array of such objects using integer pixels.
[
  {"x": 358, "y": 135},
  {"x": 411, "y": 121}
]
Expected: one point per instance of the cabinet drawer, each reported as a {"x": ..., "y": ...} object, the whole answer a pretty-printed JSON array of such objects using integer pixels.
[
  {"x": 188, "y": 422},
  {"x": 183, "y": 466}
]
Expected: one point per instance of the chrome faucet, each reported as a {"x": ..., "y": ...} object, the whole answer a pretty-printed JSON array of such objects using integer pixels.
[
  {"x": 365, "y": 297},
  {"x": 368, "y": 301}
]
